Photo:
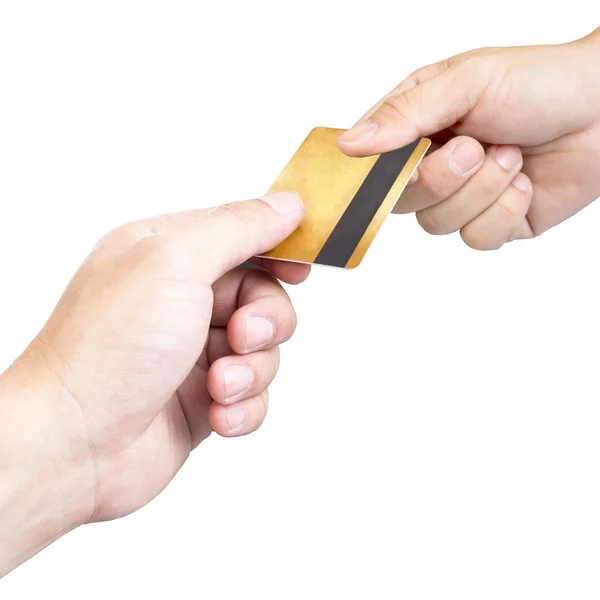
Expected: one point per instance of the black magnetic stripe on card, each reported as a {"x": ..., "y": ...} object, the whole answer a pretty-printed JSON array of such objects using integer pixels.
[{"x": 357, "y": 217}]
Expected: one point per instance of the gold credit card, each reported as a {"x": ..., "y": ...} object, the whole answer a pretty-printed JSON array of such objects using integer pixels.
[{"x": 346, "y": 199}]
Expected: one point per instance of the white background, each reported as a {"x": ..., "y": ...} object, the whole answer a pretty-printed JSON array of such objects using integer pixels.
[{"x": 434, "y": 432}]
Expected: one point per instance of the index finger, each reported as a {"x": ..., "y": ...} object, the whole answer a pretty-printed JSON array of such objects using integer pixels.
[{"x": 428, "y": 108}]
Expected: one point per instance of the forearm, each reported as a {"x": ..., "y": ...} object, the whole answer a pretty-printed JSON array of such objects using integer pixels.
[{"x": 44, "y": 468}]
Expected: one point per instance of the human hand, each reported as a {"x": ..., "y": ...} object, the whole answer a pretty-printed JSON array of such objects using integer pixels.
[
  {"x": 157, "y": 341},
  {"x": 520, "y": 129}
]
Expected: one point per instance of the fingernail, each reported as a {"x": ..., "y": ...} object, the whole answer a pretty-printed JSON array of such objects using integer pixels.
[
  {"x": 259, "y": 331},
  {"x": 464, "y": 158},
  {"x": 283, "y": 202},
  {"x": 361, "y": 132},
  {"x": 238, "y": 379},
  {"x": 521, "y": 182},
  {"x": 508, "y": 157},
  {"x": 235, "y": 416}
]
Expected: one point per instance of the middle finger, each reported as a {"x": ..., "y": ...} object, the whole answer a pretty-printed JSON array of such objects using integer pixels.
[
  {"x": 500, "y": 166},
  {"x": 442, "y": 174}
]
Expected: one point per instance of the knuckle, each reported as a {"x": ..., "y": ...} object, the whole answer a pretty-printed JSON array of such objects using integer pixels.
[
  {"x": 410, "y": 82},
  {"x": 128, "y": 233},
  {"x": 131, "y": 231},
  {"x": 477, "y": 62},
  {"x": 426, "y": 73},
  {"x": 292, "y": 318},
  {"x": 511, "y": 207},
  {"x": 439, "y": 184},
  {"x": 430, "y": 223},
  {"x": 276, "y": 360},
  {"x": 457, "y": 59},
  {"x": 476, "y": 239},
  {"x": 165, "y": 252},
  {"x": 446, "y": 63},
  {"x": 289, "y": 319},
  {"x": 265, "y": 402},
  {"x": 102, "y": 242},
  {"x": 473, "y": 74},
  {"x": 255, "y": 282},
  {"x": 231, "y": 210},
  {"x": 490, "y": 187},
  {"x": 396, "y": 108}
]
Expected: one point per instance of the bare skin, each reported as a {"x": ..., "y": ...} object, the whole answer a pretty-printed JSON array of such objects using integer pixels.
[
  {"x": 518, "y": 139},
  {"x": 158, "y": 341},
  {"x": 161, "y": 338}
]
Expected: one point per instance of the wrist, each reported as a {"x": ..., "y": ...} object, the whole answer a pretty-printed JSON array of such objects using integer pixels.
[
  {"x": 46, "y": 473},
  {"x": 590, "y": 43},
  {"x": 585, "y": 56}
]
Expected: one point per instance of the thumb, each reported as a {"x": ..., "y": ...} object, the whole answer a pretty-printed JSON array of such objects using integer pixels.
[
  {"x": 422, "y": 110},
  {"x": 228, "y": 235}
]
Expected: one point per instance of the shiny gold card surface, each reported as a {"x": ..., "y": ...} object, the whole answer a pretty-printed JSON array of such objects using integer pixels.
[{"x": 346, "y": 199}]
